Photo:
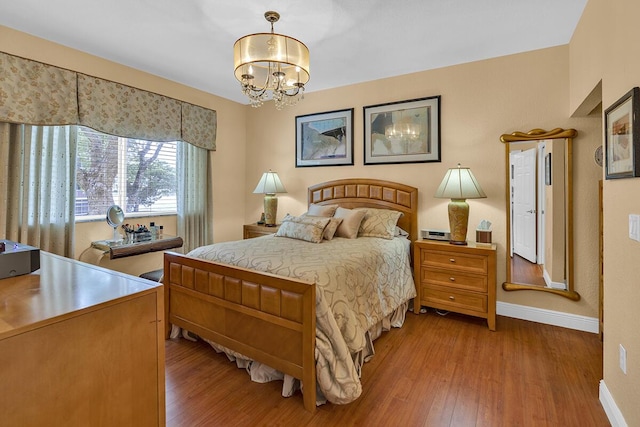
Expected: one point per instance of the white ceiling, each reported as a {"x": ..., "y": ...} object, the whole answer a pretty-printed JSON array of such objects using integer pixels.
[{"x": 350, "y": 41}]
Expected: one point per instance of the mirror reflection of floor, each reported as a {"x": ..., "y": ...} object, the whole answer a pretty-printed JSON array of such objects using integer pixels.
[{"x": 523, "y": 271}]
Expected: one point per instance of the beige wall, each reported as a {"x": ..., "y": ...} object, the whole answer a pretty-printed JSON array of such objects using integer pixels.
[
  {"x": 555, "y": 203},
  {"x": 605, "y": 48},
  {"x": 228, "y": 161},
  {"x": 480, "y": 101}
]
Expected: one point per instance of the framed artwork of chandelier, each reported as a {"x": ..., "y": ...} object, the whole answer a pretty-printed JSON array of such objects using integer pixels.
[
  {"x": 402, "y": 132},
  {"x": 271, "y": 66}
]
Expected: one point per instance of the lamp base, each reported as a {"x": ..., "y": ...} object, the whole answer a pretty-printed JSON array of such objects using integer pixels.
[
  {"x": 458, "y": 221},
  {"x": 270, "y": 209}
]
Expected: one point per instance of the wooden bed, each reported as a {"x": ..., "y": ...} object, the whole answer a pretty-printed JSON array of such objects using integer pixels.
[{"x": 269, "y": 318}]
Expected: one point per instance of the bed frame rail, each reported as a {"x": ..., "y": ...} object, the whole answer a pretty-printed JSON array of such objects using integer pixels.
[{"x": 265, "y": 317}]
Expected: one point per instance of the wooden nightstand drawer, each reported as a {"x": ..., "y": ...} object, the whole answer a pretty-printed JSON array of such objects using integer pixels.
[
  {"x": 454, "y": 299},
  {"x": 256, "y": 230},
  {"x": 455, "y": 279},
  {"x": 459, "y": 278},
  {"x": 464, "y": 262}
]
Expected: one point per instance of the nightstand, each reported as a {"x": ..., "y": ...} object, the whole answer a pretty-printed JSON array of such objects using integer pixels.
[
  {"x": 456, "y": 278},
  {"x": 257, "y": 230}
]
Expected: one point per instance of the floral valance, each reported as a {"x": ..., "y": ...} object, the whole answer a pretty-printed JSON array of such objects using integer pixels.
[
  {"x": 40, "y": 94},
  {"x": 36, "y": 93}
]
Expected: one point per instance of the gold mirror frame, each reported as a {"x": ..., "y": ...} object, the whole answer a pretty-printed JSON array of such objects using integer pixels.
[{"x": 531, "y": 136}]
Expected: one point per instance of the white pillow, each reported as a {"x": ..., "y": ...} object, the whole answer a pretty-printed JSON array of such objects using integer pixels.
[{"x": 322, "y": 210}]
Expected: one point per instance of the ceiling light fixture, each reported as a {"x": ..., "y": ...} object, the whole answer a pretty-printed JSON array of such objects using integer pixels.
[{"x": 271, "y": 65}]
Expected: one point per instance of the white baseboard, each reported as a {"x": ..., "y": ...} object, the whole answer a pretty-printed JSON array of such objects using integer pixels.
[
  {"x": 610, "y": 408},
  {"x": 551, "y": 284},
  {"x": 548, "y": 317}
]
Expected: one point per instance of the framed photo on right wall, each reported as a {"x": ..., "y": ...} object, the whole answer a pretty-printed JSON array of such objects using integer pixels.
[{"x": 622, "y": 137}]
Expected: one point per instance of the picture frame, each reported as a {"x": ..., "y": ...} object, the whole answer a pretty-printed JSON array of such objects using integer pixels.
[
  {"x": 402, "y": 132},
  {"x": 325, "y": 139},
  {"x": 547, "y": 169},
  {"x": 622, "y": 137}
]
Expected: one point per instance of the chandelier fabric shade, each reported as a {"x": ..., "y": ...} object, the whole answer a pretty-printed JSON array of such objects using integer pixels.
[{"x": 270, "y": 65}]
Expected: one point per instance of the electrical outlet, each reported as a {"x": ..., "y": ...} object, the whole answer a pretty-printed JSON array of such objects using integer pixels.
[
  {"x": 623, "y": 359},
  {"x": 634, "y": 227}
]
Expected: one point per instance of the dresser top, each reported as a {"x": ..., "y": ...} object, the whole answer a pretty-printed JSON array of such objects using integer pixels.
[{"x": 61, "y": 288}]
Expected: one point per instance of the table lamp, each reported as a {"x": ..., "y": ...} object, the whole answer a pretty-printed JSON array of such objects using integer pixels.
[
  {"x": 458, "y": 185},
  {"x": 269, "y": 185}
]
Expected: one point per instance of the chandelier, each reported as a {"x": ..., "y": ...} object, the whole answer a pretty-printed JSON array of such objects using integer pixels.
[
  {"x": 400, "y": 131},
  {"x": 271, "y": 65},
  {"x": 402, "y": 128}
]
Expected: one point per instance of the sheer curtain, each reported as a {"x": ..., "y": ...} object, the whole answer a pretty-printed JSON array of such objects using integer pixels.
[
  {"x": 194, "y": 205},
  {"x": 37, "y": 185}
]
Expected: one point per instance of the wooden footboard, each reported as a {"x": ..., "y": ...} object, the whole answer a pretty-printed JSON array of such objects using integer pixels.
[{"x": 265, "y": 317}]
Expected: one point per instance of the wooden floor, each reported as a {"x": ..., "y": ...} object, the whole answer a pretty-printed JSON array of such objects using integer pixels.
[
  {"x": 523, "y": 271},
  {"x": 435, "y": 371}
]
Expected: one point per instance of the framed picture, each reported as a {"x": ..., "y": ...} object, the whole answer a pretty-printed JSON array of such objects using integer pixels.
[
  {"x": 402, "y": 132},
  {"x": 547, "y": 169},
  {"x": 622, "y": 134},
  {"x": 325, "y": 139}
]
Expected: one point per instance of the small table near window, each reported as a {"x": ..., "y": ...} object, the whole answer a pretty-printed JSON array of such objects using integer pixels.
[{"x": 123, "y": 248}]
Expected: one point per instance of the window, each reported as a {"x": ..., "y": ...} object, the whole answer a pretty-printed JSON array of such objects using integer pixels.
[{"x": 137, "y": 175}]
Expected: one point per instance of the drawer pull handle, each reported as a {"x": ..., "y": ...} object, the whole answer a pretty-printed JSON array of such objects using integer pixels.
[
  {"x": 452, "y": 298},
  {"x": 453, "y": 279},
  {"x": 452, "y": 260}
]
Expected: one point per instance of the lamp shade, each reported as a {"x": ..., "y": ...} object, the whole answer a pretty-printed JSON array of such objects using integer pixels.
[
  {"x": 459, "y": 183},
  {"x": 270, "y": 184}
]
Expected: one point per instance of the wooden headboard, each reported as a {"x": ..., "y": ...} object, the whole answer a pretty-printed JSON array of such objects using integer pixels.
[{"x": 363, "y": 192}]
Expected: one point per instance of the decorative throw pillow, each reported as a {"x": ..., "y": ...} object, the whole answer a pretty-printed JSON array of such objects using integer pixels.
[
  {"x": 322, "y": 210},
  {"x": 308, "y": 228},
  {"x": 331, "y": 228},
  {"x": 378, "y": 223},
  {"x": 351, "y": 220}
]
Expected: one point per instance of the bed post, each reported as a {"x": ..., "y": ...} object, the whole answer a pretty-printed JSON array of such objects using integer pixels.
[{"x": 309, "y": 352}]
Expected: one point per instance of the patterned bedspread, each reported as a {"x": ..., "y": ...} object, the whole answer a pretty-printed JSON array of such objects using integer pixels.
[{"x": 359, "y": 283}]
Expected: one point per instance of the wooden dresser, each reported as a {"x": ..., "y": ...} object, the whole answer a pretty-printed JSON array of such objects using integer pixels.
[
  {"x": 81, "y": 345},
  {"x": 256, "y": 230},
  {"x": 456, "y": 278}
]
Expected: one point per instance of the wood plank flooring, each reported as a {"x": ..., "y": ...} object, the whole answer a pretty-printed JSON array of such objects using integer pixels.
[
  {"x": 435, "y": 371},
  {"x": 523, "y": 271}
]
